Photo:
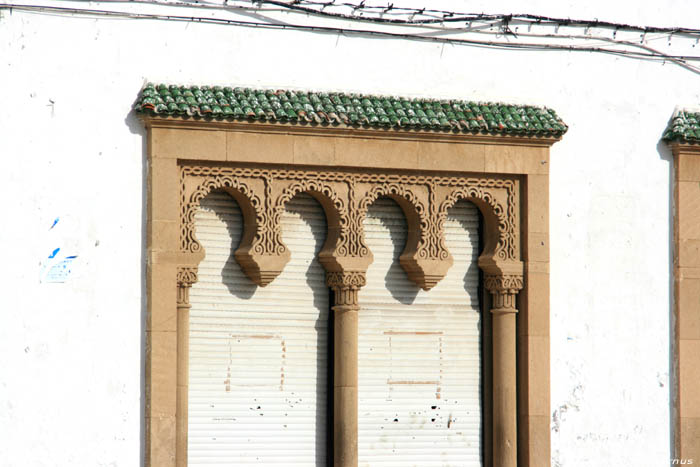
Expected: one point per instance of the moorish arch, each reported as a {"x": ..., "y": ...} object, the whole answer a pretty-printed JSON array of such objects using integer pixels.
[
  {"x": 415, "y": 255},
  {"x": 331, "y": 199}
]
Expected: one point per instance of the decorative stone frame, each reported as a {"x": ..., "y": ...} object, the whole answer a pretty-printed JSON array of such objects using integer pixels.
[
  {"x": 686, "y": 273},
  {"x": 263, "y": 165}
]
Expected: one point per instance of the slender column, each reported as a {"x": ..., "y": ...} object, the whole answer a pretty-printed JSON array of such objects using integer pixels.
[
  {"x": 185, "y": 278},
  {"x": 504, "y": 289},
  {"x": 345, "y": 286}
]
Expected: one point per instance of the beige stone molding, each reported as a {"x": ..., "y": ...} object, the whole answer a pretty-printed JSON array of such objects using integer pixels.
[
  {"x": 686, "y": 330},
  {"x": 264, "y": 166}
]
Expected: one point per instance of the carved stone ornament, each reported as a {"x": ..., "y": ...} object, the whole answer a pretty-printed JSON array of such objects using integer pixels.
[
  {"x": 186, "y": 276},
  {"x": 504, "y": 289},
  {"x": 345, "y": 196},
  {"x": 346, "y": 280},
  {"x": 345, "y": 285}
]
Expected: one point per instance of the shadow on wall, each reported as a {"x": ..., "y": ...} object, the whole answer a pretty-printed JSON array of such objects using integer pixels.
[
  {"x": 297, "y": 206},
  {"x": 473, "y": 235},
  {"x": 320, "y": 292},
  {"x": 245, "y": 289},
  {"x": 390, "y": 216}
]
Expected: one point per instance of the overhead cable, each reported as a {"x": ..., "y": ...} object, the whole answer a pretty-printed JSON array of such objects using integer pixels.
[{"x": 646, "y": 54}]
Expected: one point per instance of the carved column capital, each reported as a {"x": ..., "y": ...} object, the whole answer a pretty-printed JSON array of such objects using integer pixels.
[
  {"x": 346, "y": 284},
  {"x": 510, "y": 283},
  {"x": 504, "y": 288},
  {"x": 186, "y": 276},
  {"x": 346, "y": 279}
]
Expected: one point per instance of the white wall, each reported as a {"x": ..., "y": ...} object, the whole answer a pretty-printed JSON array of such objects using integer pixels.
[{"x": 71, "y": 354}]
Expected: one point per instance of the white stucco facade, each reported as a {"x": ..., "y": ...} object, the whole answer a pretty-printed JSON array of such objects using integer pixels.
[{"x": 72, "y": 352}]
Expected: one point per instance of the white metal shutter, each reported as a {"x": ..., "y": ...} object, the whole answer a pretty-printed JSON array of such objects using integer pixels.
[
  {"x": 419, "y": 352},
  {"x": 258, "y": 356}
]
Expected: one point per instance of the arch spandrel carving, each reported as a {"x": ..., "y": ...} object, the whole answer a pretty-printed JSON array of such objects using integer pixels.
[
  {"x": 259, "y": 254},
  {"x": 422, "y": 260},
  {"x": 494, "y": 203},
  {"x": 242, "y": 190},
  {"x": 333, "y": 198},
  {"x": 345, "y": 197}
]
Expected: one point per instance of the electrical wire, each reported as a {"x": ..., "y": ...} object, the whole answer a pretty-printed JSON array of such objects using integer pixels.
[
  {"x": 447, "y": 16},
  {"x": 200, "y": 4},
  {"x": 315, "y": 7},
  {"x": 630, "y": 44},
  {"x": 648, "y": 54}
]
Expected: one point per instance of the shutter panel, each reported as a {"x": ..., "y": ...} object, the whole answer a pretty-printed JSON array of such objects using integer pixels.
[
  {"x": 419, "y": 352},
  {"x": 258, "y": 356}
]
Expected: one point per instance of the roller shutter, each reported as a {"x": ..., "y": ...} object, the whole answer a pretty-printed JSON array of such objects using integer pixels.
[
  {"x": 419, "y": 352},
  {"x": 258, "y": 356}
]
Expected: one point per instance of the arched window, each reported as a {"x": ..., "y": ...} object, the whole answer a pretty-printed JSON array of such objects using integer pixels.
[
  {"x": 258, "y": 355},
  {"x": 346, "y": 167}
]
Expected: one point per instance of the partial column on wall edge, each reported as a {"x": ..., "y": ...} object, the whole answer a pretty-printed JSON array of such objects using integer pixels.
[{"x": 687, "y": 301}]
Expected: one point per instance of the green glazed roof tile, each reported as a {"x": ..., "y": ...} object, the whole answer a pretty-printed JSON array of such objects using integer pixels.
[
  {"x": 684, "y": 127},
  {"x": 356, "y": 110}
]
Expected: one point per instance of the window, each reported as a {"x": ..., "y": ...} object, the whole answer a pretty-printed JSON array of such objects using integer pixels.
[
  {"x": 258, "y": 355},
  {"x": 348, "y": 170}
]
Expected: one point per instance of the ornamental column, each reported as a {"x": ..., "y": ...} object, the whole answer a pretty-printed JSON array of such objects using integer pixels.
[
  {"x": 504, "y": 289},
  {"x": 186, "y": 276},
  {"x": 345, "y": 286}
]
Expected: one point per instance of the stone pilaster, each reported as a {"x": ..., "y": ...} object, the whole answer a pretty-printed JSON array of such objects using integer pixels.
[
  {"x": 504, "y": 289},
  {"x": 345, "y": 286},
  {"x": 186, "y": 276}
]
